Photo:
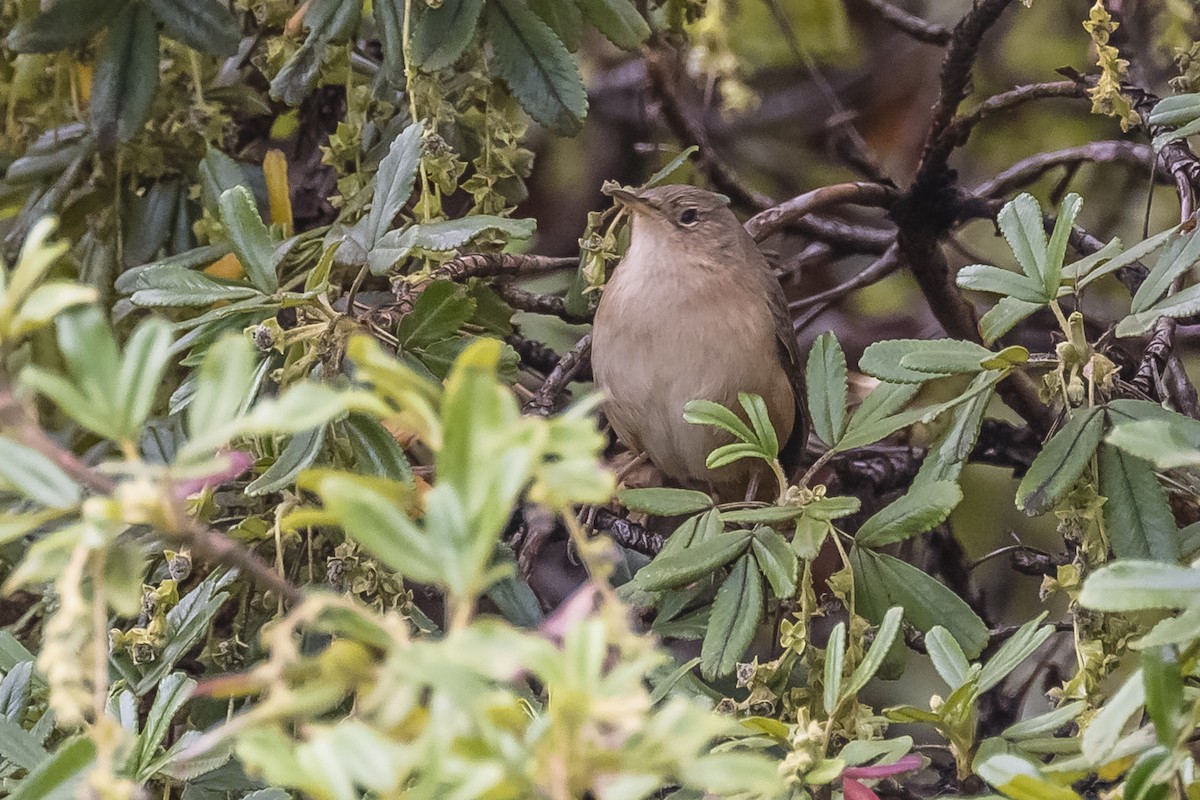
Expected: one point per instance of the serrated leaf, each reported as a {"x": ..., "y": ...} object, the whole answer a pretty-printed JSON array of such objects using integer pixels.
[
  {"x": 223, "y": 384},
  {"x": 882, "y": 360},
  {"x": 1020, "y": 222},
  {"x": 664, "y": 502},
  {"x": 945, "y": 357},
  {"x": 442, "y": 237},
  {"x": 301, "y": 451},
  {"x": 809, "y": 535},
  {"x": 1118, "y": 260},
  {"x": 61, "y": 24},
  {"x": 376, "y": 451},
  {"x": 1056, "y": 248},
  {"x": 1105, "y": 729},
  {"x": 680, "y": 569},
  {"x": 826, "y": 377},
  {"x": 835, "y": 657},
  {"x": 179, "y": 287},
  {"x": 1061, "y": 462},
  {"x": 1004, "y": 316},
  {"x": 536, "y": 66},
  {"x": 1166, "y": 443},
  {"x": 441, "y": 34},
  {"x": 947, "y": 657},
  {"x": 736, "y": 611},
  {"x": 564, "y": 18},
  {"x": 994, "y": 280},
  {"x": 1180, "y": 254},
  {"x": 440, "y": 310},
  {"x": 881, "y": 581},
  {"x": 1020, "y": 646},
  {"x": 142, "y": 366},
  {"x": 763, "y": 515},
  {"x": 394, "y": 182},
  {"x": 760, "y": 420},
  {"x": 885, "y": 637},
  {"x": 57, "y": 776},
  {"x": 389, "y": 24},
  {"x": 1141, "y": 586},
  {"x": 706, "y": 412},
  {"x": 250, "y": 238},
  {"x": 949, "y": 453},
  {"x": 126, "y": 76},
  {"x": 776, "y": 561},
  {"x": 203, "y": 25},
  {"x": 618, "y": 20},
  {"x": 1136, "y": 513},
  {"x": 1181, "y": 304},
  {"x": 914, "y": 513}
]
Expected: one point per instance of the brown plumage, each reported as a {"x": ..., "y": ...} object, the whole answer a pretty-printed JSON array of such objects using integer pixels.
[{"x": 694, "y": 312}]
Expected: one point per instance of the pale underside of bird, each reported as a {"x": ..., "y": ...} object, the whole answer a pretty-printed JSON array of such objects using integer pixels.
[{"x": 694, "y": 312}]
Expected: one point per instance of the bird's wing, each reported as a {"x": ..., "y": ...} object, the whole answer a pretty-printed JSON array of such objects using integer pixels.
[{"x": 791, "y": 453}]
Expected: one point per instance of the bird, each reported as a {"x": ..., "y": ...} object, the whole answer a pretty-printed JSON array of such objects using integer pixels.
[{"x": 693, "y": 312}]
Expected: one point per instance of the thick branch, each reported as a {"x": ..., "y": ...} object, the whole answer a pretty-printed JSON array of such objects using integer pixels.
[{"x": 776, "y": 218}]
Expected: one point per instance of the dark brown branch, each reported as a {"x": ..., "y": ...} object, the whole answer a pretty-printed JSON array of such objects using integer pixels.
[
  {"x": 490, "y": 265},
  {"x": 1015, "y": 97},
  {"x": 549, "y": 304},
  {"x": 628, "y": 534},
  {"x": 1030, "y": 169},
  {"x": 910, "y": 24},
  {"x": 546, "y": 400},
  {"x": 874, "y": 272},
  {"x": 777, "y": 217}
]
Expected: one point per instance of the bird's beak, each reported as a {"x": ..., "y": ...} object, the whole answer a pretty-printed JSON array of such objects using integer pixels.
[{"x": 631, "y": 200}]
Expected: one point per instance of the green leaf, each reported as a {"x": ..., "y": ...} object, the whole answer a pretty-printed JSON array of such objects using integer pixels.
[
  {"x": 389, "y": 24},
  {"x": 1180, "y": 254},
  {"x": 36, "y": 476},
  {"x": 1181, "y": 304},
  {"x": 1044, "y": 724},
  {"x": 729, "y": 453},
  {"x": 62, "y": 24},
  {"x": 914, "y": 513},
  {"x": 1180, "y": 629},
  {"x": 680, "y": 569},
  {"x": 1062, "y": 461},
  {"x": 564, "y": 18},
  {"x": 881, "y": 581},
  {"x": 299, "y": 454},
  {"x": 809, "y": 535},
  {"x": 1166, "y": 443},
  {"x": 1163, "y": 684},
  {"x": 1056, "y": 249},
  {"x": 536, "y": 66},
  {"x": 760, "y": 420},
  {"x": 251, "y": 240},
  {"x": 223, "y": 384},
  {"x": 664, "y": 502},
  {"x": 706, "y": 412},
  {"x": 764, "y": 514},
  {"x": 883, "y": 401},
  {"x": 376, "y": 451},
  {"x": 776, "y": 561},
  {"x": 1141, "y": 586},
  {"x": 835, "y": 662},
  {"x": 126, "y": 76},
  {"x": 945, "y": 356},
  {"x": 947, "y": 657},
  {"x": 949, "y": 453},
  {"x": 203, "y": 25},
  {"x": 670, "y": 167},
  {"x": 885, "y": 637},
  {"x": 1137, "y": 517},
  {"x": 20, "y": 747},
  {"x": 142, "y": 367},
  {"x": 1020, "y": 221},
  {"x": 1004, "y": 316},
  {"x": 55, "y": 777},
  {"x": 994, "y": 280},
  {"x": 618, "y": 20},
  {"x": 1101, "y": 735},
  {"x": 394, "y": 181},
  {"x": 826, "y": 376},
  {"x": 1020, "y": 646},
  {"x": 173, "y": 693},
  {"x": 1116, "y": 262},
  {"x": 440, "y": 310},
  {"x": 882, "y": 360},
  {"x": 441, "y": 34},
  {"x": 736, "y": 611},
  {"x": 442, "y": 237},
  {"x": 171, "y": 286}
]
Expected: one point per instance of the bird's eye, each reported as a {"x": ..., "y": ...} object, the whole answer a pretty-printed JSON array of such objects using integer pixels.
[{"x": 689, "y": 216}]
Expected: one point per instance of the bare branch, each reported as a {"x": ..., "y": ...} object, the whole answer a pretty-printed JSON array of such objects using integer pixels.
[
  {"x": 549, "y": 304},
  {"x": 919, "y": 29},
  {"x": 774, "y": 219},
  {"x": 1030, "y": 169},
  {"x": 1005, "y": 101},
  {"x": 547, "y": 397}
]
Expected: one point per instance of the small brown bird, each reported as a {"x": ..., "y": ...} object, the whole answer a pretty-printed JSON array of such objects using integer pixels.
[{"x": 694, "y": 312}]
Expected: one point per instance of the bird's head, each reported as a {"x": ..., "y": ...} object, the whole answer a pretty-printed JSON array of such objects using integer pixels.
[{"x": 680, "y": 217}]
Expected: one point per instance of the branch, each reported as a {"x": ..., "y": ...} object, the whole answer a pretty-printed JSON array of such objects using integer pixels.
[
  {"x": 777, "y": 217},
  {"x": 910, "y": 24},
  {"x": 1030, "y": 169},
  {"x": 874, "y": 272},
  {"x": 490, "y": 265},
  {"x": 205, "y": 543},
  {"x": 1005, "y": 101},
  {"x": 546, "y": 399},
  {"x": 549, "y": 304}
]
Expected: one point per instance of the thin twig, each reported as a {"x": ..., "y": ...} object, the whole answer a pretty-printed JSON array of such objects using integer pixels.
[
  {"x": 1030, "y": 169},
  {"x": 777, "y": 217},
  {"x": 910, "y": 24},
  {"x": 1005, "y": 101},
  {"x": 549, "y": 304},
  {"x": 546, "y": 399}
]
